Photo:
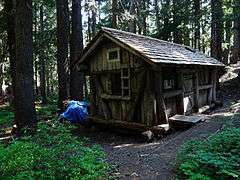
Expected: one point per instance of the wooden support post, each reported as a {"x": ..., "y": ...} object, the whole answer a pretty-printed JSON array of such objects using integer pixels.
[
  {"x": 196, "y": 92},
  {"x": 160, "y": 111},
  {"x": 105, "y": 106},
  {"x": 214, "y": 81},
  {"x": 148, "y": 102},
  {"x": 93, "y": 104},
  {"x": 181, "y": 97}
]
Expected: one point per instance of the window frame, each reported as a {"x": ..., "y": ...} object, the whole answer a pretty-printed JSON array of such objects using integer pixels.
[
  {"x": 118, "y": 53},
  {"x": 170, "y": 84}
]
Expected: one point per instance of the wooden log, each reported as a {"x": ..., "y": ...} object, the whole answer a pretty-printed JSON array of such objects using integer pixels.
[{"x": 160, "y": 129}]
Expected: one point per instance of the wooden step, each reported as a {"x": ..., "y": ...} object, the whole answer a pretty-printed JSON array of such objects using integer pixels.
[{"x": 191, "y": 120}]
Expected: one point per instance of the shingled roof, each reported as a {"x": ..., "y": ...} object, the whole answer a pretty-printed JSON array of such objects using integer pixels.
[{"x": 155, "y": 50}]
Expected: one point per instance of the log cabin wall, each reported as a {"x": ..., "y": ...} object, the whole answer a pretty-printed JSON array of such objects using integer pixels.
[
  {"x": 185, "y": 89},
  {"x": 138, "y": 105}
]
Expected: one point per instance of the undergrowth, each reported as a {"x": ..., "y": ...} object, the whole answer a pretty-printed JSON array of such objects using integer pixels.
[
  {"x": 6, "y": 116},
  {"x": 51, "y": 153},
  {"x": 216, "y": 158}
]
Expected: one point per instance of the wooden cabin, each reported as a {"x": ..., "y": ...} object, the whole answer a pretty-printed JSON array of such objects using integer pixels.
[{"x": 138, "y": 82}]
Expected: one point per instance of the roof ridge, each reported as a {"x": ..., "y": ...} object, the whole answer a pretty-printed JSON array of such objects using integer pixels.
[{"x": 143, "y": 36}]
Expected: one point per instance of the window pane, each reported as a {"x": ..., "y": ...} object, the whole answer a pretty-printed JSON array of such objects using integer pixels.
[
  {"x": 125, "y": 72},
  {"x": 126, "y": 83},
  {"x": 113, "y": 55},
  {"x": 126, "y": 92},
  {"x": 116, "y": 84}
]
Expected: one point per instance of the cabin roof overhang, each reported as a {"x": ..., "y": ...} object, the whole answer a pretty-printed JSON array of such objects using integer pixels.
[{"x": 153, "y": 51}]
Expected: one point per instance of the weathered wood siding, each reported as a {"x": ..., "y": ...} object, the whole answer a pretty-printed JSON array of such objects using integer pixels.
[
  {"x": 99, "y": 62},
  {"x": 120, "y": 108}
]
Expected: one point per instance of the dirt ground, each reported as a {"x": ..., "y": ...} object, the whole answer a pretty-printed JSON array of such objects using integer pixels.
[{"x": 135, "y": 159}]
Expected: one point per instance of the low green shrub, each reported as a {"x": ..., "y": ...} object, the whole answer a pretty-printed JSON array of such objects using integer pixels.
[
  {"x": 216, "y": 158},
  {"x": 6, "y": 116},
  {"x": 51, "y": 153}
]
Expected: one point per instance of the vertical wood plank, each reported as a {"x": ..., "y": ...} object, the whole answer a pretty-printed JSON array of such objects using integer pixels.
[{"x": 196, "y": 92}]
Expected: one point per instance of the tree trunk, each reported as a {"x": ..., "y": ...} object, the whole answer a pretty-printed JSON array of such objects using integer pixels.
[
  {"x": 197, "y": 15},
  {"x": 114, "y": 13},
  {"x": 1, "y": 80},
  {"x": 94, "y": 18},
  {"x": 177, "y": 21},
  {"x": 166, "y": 32},
  {"x": 227, "y": 41},
  {"x": 62, "y": 50},
  {"x": 76, "y": 77},
  {"x": 9, "y": 6},
  {"x": 157, "y": 14},
  {"x": 216, "y": 29},
  {"x": 236, "y": 31},
  {"x": 132, "y": 21},
  {"x": 35, "y": 49},
  {"x": 25, "y": 113},
  {"x": 144, "y": 26},
  {"x": 42, "y": 61}
]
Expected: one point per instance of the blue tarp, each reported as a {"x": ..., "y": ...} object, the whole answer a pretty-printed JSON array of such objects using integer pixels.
[{"x": 76, "y": 112}]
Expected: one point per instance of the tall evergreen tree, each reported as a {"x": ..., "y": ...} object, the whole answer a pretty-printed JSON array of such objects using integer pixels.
[
  {"x": 114, "y": 19},
  {"x": 216, "y": 29},
  {"x": 236, "y": 31},
  {"x": 197, "y": 18},
  {"x": 25, "y": 113},
  {"x": 42, "y": 59},
  {"x": 76, "y": 77},
  {"x": 62, "y": 50}
]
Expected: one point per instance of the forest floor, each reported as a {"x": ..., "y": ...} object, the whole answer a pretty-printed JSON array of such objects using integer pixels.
[{"x": 135, "y": 159}]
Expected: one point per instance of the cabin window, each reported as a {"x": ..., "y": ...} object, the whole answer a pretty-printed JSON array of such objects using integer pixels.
[
  {"x": 168, "y": 84},
  {"x": 119, "y": 84},
  {"x": 116, "y": 84},
  {"x": 125, "y": 82},
  {"x": 113, "y": 54}
]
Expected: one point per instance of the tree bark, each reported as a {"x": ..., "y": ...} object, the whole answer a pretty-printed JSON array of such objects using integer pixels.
[
  {"x": 25, "y": 113},
  {"x": 35, "y": 49},
  {"x": 227, "y": 41},
  {"x": 62, "y": 50},
  {"x": 76, "y": 77},
  {"x": 197, "y": 15},
  {"x": 177, "y": 21},
  {"x": 216, "y": 29},
  {"x": 94, "y": 18},
  {"x": 144, "y": 26},
  {"x": 42, "y": 58},
  {"x": 114, "y": 13},
  {"x": 166, "y": 32},
  {"x": 132, "y": 21},
  {"x": 157, "y": 14},
  {"x": 236, "y": 31}
]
